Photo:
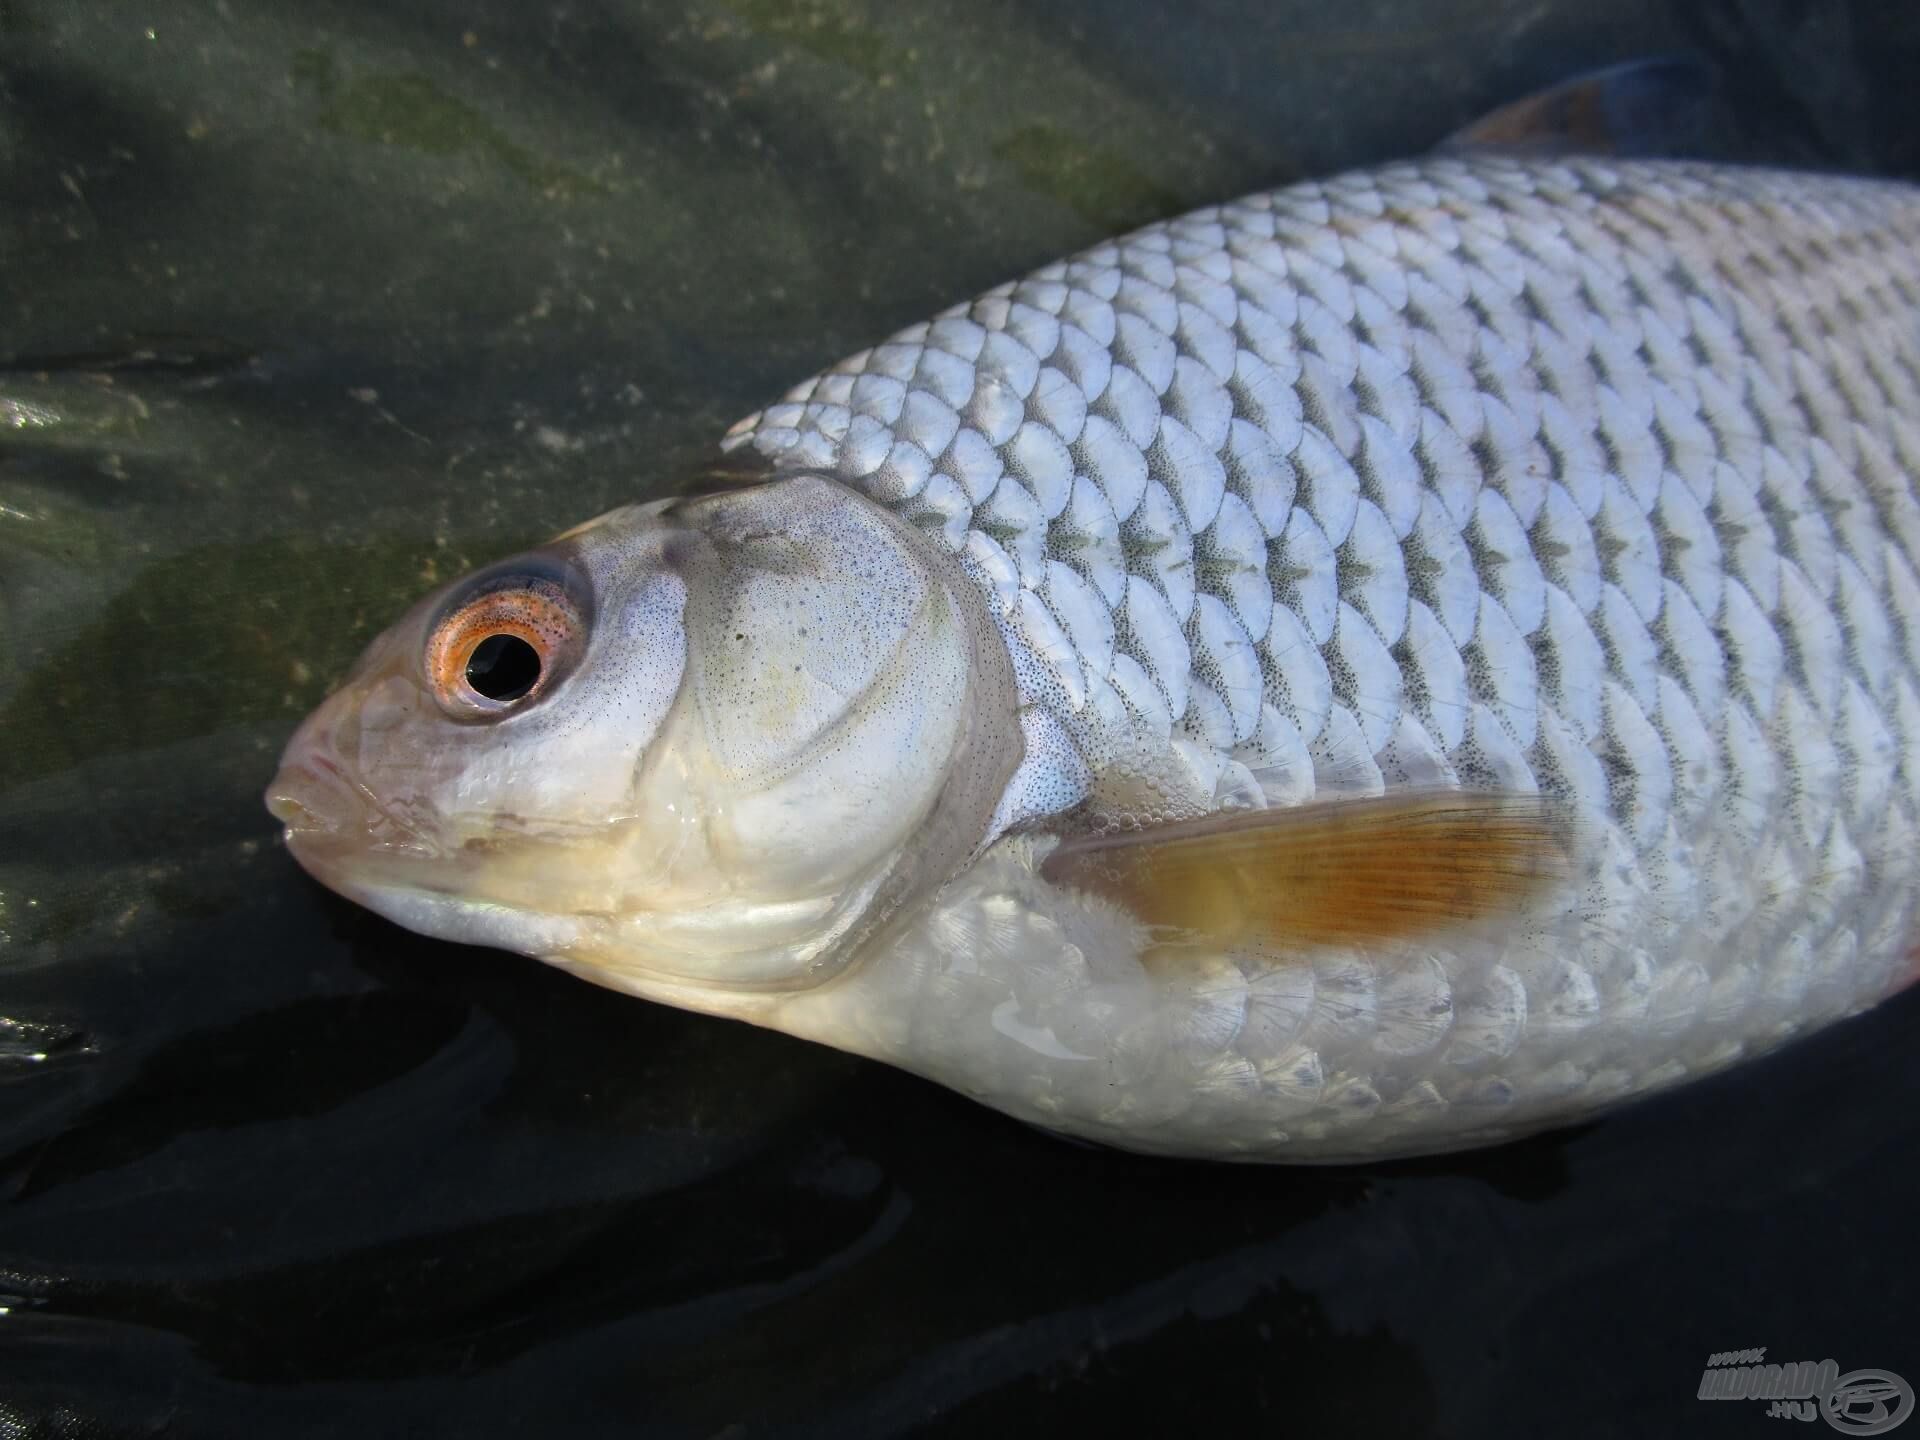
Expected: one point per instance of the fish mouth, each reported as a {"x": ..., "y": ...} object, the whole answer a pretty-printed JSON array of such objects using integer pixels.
[
  {"x": 321, "y": 818},
  {"x": 333, "y": 823},
  {"x": 382, "y": 856},
  {"x": 345, "y": 838},
  {"x": 305, "y": 800}
]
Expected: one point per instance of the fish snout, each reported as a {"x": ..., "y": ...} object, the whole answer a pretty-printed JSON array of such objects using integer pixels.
[
  {"x": 331, "y": 823},
  {"x": 328, "y": 812},
  {"x": 338, "y": 820}
]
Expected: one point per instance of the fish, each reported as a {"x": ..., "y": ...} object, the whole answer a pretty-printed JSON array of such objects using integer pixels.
[{"x": 1379, "y": 667}]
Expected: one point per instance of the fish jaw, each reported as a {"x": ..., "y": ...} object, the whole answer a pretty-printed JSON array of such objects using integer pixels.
[{"x": 394, "y": 858}]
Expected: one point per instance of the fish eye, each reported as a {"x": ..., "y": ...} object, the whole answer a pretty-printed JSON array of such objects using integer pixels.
[{"x": 502, "y": 647}]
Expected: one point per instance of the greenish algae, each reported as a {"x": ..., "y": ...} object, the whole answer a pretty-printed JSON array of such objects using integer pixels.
[
  {"x": 830, "y": 30},
  {"x": 1100, "y": 185},
  {"x": 406, "y": 110},
  {"x": 216, "y": 637}
]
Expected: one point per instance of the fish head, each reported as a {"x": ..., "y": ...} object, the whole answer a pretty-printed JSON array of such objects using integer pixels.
[{"x": 699, "y": 749}]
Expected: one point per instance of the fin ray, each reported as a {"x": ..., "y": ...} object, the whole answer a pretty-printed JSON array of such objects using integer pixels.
[{"x": 1337, "y": 872}]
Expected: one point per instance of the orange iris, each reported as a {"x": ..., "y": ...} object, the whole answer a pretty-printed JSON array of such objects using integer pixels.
[{"x": 501, "y": 648}]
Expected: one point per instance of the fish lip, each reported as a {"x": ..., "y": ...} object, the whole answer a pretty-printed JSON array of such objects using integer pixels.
[
  {"x": 284, "y": 803},
  {"x": 313, "y": 796}
]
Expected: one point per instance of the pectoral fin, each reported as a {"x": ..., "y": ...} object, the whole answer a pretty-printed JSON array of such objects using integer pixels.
[{"x": 1336, "y": 872}]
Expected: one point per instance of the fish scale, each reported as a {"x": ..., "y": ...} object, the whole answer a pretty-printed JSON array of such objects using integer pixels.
[{"x": 1595, "y": 478}]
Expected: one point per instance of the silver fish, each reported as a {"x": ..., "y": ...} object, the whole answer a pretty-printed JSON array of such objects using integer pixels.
[{"x": 1378, "y": 667}]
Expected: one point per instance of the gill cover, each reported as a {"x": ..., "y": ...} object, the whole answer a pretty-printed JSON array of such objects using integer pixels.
[{"x": 842, "y": 735}]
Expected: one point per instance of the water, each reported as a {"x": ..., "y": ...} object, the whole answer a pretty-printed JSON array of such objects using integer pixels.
[{"x": 308, "y": 307}]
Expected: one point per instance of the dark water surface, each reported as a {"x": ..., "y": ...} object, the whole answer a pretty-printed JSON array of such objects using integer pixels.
[{"x": 305, "y": 307}]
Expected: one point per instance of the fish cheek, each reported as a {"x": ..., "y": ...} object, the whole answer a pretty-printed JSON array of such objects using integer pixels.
[{"x": 570, "y": 766}]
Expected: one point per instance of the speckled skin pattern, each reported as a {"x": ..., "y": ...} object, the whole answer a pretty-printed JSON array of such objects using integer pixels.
[{"x": 1590, "y": 477}]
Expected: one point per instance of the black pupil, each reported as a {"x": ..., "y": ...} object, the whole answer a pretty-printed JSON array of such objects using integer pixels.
[{"x": 503, "y": 667}]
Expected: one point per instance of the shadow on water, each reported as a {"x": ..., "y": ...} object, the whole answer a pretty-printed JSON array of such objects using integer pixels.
[{"x": 305, "y": 309}]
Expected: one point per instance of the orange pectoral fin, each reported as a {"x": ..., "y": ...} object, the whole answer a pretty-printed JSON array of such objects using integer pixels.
[{"x": 1335, "y": 872}]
